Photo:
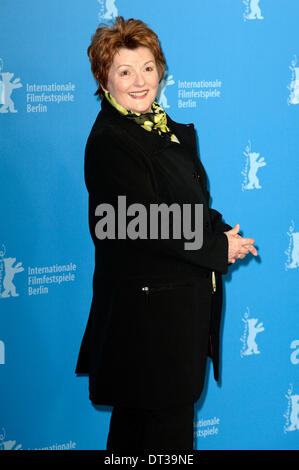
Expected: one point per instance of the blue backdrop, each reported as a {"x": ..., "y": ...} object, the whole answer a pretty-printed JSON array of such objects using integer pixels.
[{"x": 233, "y": 70}]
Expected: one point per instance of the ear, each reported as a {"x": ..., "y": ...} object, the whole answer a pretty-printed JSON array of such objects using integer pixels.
[{"x": 104, "y": 89}]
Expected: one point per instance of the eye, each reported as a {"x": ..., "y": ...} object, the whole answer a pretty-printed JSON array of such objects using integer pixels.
[
  {"x": 149, "y": 68},
  {"x": 124, "y": 73}
]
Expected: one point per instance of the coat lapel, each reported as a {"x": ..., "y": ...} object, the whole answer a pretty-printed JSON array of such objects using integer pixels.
[{"x": 150, "y": 141}]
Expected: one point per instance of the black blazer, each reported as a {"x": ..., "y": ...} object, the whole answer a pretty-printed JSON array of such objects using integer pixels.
[{"x": 153, "y": 317}]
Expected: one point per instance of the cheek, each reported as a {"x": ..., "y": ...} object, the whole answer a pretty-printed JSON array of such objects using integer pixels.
[
  {"x": 117, "y": 86},
  {"x": 154, "y": 81},
  {"x": 123, "y": 85}
]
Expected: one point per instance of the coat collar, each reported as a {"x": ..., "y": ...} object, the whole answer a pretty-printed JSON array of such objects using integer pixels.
[{"x": 151, "y": 142}]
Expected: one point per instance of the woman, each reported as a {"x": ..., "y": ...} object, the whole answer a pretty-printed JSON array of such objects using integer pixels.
[{"x": 156, "y": 306}]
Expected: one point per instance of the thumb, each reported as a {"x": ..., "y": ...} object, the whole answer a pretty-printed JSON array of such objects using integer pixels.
[{"x": 235, "y": 229}]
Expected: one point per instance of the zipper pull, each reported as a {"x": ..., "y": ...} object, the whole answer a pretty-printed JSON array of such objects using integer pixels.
[{"x": 214, "y": 281}]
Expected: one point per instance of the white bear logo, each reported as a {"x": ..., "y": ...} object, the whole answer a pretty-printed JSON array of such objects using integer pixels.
[
  {"x": 253, "y": 11},
  {"x": 253, "y": 163},
  {"x": 6, "y": 89},
  {"x": 293, "y": 250},
  {"x": 10, "y": 271},
  {"x": 8, "y": 445},
  {"x": 292, "y": 413},
  {"x": 254, "y": 329},
  {"x": 293, "y": 98},
  {"x": 161, "y": 92},
  {"x": 294, "y": 416},
  {"x": 249, "y": 336},
  {"x": 111, "y": 10}
]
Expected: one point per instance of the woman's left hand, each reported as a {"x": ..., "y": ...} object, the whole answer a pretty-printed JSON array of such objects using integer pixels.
[{"x": 250, "y": 248}]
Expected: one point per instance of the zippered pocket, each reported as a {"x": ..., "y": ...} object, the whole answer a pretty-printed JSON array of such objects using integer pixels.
[{"x": 153, "y": 289}]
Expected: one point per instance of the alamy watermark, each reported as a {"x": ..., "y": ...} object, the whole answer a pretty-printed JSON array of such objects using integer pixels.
[{"x": 160, "y": 215}]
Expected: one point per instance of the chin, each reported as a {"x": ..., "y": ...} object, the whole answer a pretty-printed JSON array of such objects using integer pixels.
[
  {"x": 141, "y": 111},
  {"x": 141, "y": 107}
]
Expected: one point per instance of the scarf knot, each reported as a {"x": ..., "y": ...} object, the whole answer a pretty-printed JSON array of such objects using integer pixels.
[{"x": 154, "y": 121}]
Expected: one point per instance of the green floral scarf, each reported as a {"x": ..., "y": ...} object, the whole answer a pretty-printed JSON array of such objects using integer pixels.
[{"x": 155, "y": 121}]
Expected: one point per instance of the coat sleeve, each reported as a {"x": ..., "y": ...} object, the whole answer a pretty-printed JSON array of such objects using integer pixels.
[
  {"x": 219, "y": 226},
  {"x": 114, "y": 169}
]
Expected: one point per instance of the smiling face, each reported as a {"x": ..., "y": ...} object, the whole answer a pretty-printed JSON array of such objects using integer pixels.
[{"x": 133, "y": 79}]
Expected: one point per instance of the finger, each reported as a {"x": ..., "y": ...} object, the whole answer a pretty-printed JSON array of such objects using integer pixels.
[
  {"x": 243, "y": 252},
  {"x": 252, "y": 249},
  {"x": 247, "y": 241}
]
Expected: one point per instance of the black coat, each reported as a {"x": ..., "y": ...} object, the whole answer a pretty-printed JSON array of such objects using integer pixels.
[{"x": 148, "y": 347}]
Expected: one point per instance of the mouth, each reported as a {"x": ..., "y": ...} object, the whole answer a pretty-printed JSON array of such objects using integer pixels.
[{"x": 138, "y": 94}]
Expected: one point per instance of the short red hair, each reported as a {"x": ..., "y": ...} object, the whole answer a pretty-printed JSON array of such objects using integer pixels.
[{"x": 107, "y": 40}]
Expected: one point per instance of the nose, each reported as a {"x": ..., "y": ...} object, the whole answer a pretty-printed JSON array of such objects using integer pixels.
[{"x": 139, "y": 79}]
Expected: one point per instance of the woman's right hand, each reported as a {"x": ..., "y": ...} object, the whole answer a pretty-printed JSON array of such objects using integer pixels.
[{"x": 238, "y": 247}]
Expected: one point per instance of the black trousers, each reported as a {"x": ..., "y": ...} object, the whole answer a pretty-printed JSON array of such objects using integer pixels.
[{"x": 143, "y": 430}]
